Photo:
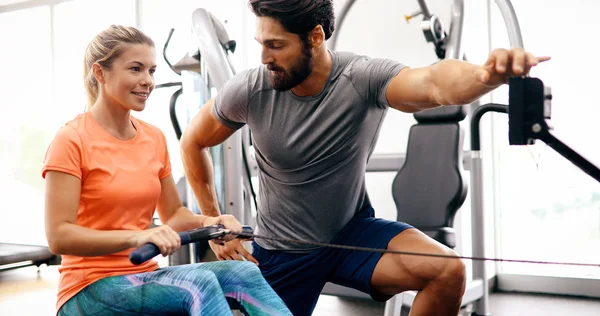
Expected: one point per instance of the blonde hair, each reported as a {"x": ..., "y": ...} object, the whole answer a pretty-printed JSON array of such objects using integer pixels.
[{"x": 104, "y": 49}]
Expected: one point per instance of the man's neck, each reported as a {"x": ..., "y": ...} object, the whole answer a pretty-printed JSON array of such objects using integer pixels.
[{"x": 315, "y": 82}]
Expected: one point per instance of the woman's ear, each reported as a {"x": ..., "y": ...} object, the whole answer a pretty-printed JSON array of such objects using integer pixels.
[{"x": 98, "y": 72}]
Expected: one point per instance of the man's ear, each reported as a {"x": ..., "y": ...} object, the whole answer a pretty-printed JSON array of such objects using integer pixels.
[
  {"x": 316, "y": 37},
  {"x": 98, "y": 72}
]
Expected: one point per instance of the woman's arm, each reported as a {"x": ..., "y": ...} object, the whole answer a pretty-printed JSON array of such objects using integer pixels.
[
  {"x": 172, "y": 213},
  {"x": 65, "y": 237}
]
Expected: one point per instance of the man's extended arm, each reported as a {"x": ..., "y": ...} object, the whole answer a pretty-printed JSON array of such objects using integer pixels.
[{"x": 455, "y": 82}]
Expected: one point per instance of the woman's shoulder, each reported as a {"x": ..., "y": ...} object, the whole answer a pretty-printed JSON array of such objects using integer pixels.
[
  {"x": 73, "y": 128},
  {"x": 148, "y": 128}
]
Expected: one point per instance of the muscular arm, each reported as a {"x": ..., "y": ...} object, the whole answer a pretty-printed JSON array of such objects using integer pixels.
[
  {"x": 63, "y": 234},
  {"x": 203, "y": 132},
  {"x": 455, "y": 82},
  {"x": 448, "y": 82}
]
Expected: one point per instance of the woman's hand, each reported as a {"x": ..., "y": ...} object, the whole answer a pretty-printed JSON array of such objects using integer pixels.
[{"x": 164, "y": 237}]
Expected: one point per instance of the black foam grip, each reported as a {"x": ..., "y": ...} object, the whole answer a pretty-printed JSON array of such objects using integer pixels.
[{"x": 149, "y": 250}]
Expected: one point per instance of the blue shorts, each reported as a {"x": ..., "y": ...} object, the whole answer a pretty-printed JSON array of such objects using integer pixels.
[{"x": 299, "y": 278}]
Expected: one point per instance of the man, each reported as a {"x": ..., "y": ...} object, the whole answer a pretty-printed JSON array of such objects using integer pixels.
[{"x": 315, "y": 116}]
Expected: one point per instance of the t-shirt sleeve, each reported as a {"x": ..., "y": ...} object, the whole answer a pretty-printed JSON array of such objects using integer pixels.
[
  {"x": 372, "y": 77},
  {"x": 165, "y": 171},
  {"x": 231, "y": 104},
  {"x": 64, "y": 153}
]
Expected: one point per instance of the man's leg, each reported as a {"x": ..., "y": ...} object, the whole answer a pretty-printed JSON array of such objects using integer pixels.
[
  {"x": 440, "y": 281},
  {"x": 297, "y": 278}
]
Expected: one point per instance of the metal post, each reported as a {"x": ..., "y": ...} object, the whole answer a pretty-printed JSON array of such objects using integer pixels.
[
  {"x": 453, "y": 48},
  {"x": 216, "y": 62},
  {"x": 424, "y": 9},
  {"x": 338, "y": 23},
  {"x": 477, "y": 231},
  {"x": 512, "y": 23},
  {"x": 477, "y": 207}
]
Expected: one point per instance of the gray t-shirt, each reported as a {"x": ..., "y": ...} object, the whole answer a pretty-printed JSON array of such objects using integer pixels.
[{"x": 311, "y": 151}]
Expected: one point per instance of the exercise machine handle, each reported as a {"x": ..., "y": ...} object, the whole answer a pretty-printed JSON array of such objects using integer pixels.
[{"x": 150, "y": 250}]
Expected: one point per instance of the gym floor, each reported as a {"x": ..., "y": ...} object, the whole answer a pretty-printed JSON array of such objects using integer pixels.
[{"x": 25, "y": 292}]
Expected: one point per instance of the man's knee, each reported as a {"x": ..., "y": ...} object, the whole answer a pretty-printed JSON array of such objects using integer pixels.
[{"x": 454, "y": 272}]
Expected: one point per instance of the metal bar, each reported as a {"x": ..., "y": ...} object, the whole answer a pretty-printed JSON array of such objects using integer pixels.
[
  {"x": 28, "y": 5},
  {"x": 139, "y": 20},
  {"x": 217, "y": 67},
  {"x": 210, "y": 48},
  {"x": 453, "y": 48},
  {"x": 385, "y": 162},
  {"x": 476, "y": 118},
  {"x": 424, "y": 9},
  {"x": 512, "y": 23},
  {"x": 570, "y": 154},
  {"x": 339, "y": 21},
  {"x": 478, "y": 236},
  {"x": 478, "y": 213},
  {"x": 577, "y": 286},
  {"x": 53, "y": 53},
  {"x": 393, "y": 162}
]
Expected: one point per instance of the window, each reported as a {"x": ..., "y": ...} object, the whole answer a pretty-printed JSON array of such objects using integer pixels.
[
  {"x": 42, "y": 88},
  {"x": 549, "y": 209},
  {"x": 25, "y": 130},
  {"x": 75, "y": 24}
]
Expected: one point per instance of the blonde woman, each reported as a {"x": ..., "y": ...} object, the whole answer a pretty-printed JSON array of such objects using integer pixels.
[{"x": 106, "y": 173}]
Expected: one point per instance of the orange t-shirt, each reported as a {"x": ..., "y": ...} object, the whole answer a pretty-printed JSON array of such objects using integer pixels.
[{"x": 120, "y": 187}]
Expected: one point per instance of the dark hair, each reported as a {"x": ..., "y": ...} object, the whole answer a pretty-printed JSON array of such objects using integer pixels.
[{"x": 298, "y": 16}]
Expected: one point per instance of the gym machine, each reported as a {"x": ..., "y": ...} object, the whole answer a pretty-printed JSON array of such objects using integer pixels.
[
  {"x": 447, "y": 44},
  {"x": 14, "y": 256},
  {"x": 203, "y": 72}
]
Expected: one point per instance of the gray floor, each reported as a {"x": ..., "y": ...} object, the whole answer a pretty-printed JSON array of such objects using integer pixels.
[{"x": 501, "y": 304}]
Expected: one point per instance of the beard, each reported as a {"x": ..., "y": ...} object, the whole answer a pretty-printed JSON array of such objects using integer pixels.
[{"x": 282, "y": 79}]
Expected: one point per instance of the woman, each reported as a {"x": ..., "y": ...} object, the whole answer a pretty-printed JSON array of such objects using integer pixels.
[{"x": 106, "y": 173}]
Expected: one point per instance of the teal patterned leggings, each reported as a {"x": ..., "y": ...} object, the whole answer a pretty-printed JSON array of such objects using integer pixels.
[{"x": 210, "y": 288}]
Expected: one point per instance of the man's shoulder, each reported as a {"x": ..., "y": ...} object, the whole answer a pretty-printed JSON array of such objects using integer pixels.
[
  {"x": 251, "y": 79},
  {"x": 355, "y": 65},
  {"x": 351, "y": 60},
  {"x": 350, "y": 63},
  {"x": 346, "y": 56}
]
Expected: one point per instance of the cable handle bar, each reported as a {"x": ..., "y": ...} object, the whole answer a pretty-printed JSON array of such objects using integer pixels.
[{"x": 150, "y": 250}]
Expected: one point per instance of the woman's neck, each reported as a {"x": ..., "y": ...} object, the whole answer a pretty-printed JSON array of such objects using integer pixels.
[{"x": 116, "y": 120}]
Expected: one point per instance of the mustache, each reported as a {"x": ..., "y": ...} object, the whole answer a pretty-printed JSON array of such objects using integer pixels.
[{"x": 273, "y": 67}]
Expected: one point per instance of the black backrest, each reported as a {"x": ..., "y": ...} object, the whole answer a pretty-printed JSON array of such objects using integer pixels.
[{"x": 430, "y": 187}]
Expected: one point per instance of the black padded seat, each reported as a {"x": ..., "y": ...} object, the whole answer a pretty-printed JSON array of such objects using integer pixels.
[
  {"x": 430, "y": 187},
  {"x": 11, "y": 254}
]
